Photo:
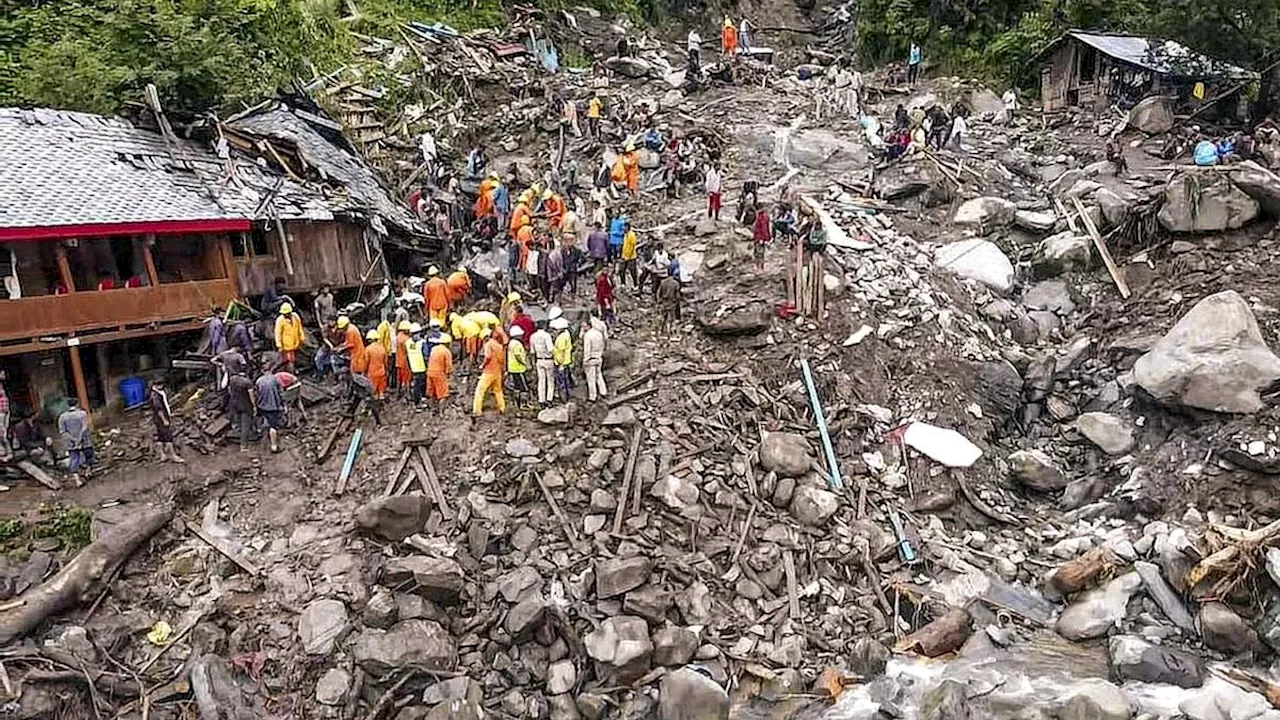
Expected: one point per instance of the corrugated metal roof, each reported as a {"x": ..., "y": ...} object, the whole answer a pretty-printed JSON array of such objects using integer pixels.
[
  {"x": 1162, "y": 56},
  {"x": 68, "y": 168}
]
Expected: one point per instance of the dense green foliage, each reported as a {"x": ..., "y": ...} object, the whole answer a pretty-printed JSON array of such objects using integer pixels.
[
  {"x": 70, "y": 525},
  {"x": 998, "y": 39}
]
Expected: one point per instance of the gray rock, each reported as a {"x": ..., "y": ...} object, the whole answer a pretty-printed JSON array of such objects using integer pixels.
[
  {"x": 599, "y": 458},
  {"x": 705, "y": 227},
  {"x": 751, "y": 319},
  {"x": 518, "y": 584},
  {"x": 1260, "y": 184},
  {"x": 783, "y": 492},
  {"x": 674, "y": 645},
  {"x": 786, "y": 454},
  {"x": 602, "y": 501},
  {"x": 1096, "y": 611},
  {"x": 519, "y": 447},
  {"x": 1159, "y": 590},
  {"x": 675, "y": 492},
  {"x": 650, "y": 602},
  {"x": 986, "y": 212},
  {"x": 1035, "y": 221},
  {"x": 381, "y": 610},
  {"x": 687, "y": 694},
  {"x": 438, "y": 579},
  {"x": 1096, "y": 699},
  {"x": 333, "y": 687},
  {"x": 621, "y": 416},
  {"x": 321, "y": 624},
  {"x": 408, "y": 642},
  {"x": 1036, "y": 470},
  {"x": 948, "y": 701},
  {"x": 1115, "y": 209},
  {"x": 620, "y": 575},
  {"x": 1204, "y": 203},
  {"x": 394, "y": 518},
  {"x": 1225, "y": 631},
  {"x": 695, "y": 604},
  {"x": 1220, "y": 700},
  {"x": 813, "y": 506},
  {"x": 1133, "y": 658},
  {"x": 978, "y": 260},
  {"x": 621, "y": 645},
  {"x": 1214, "y": 358},
  {"x": 561, "y": 677},
  {"x": 1051, "y": 295},
  {"x": 629, "y": 66},
  {"x": 1107, "y": 431},
  {"x": 1152, "y": 115},
  {"x": 868, "y": 658},
  {"x": 593, "y": 706},
  {"x": 525, "y": 616},
  {"x": 562, "y": 707},
  {"x": 1062, "y": 253},
  {"x": 555, "y": 415}
]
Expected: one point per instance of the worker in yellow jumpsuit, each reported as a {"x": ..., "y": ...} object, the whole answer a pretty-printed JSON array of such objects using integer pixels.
[
  {"x": 492, "y": 374},
  {"x": 469, "y": 332}
]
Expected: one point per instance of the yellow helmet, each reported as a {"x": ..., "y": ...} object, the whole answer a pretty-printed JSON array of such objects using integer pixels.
[
  {"x": 631, "y": 147},
  {"x": 546, "y": 194},
  {"x": 371, "y": 335},
  {"x": 343, "y": 321},
  {"x": 404, "y": 325},
  {"x": 286, "y": 309},
  {"x": 443, "y": 339},
  {"x": 728, "y": 21},
  {"x": 514, "y": 297}
]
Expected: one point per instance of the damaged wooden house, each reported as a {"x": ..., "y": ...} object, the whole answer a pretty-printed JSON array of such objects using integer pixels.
[
  {"x": 117, "y": 240},
  {"x": 1093, "y": 71}
]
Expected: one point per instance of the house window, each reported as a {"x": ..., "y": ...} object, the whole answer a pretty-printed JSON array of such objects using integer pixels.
[{"x": 252, "y": 244}]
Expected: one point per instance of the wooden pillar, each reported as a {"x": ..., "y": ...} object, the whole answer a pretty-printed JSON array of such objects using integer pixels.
[
  {"x": 64, "y": 268},
  {"x": 77, "y": 372},
  {"x": 104, "y": 381},
  {"x": 150, "y": 261},
  {"x": 228, "y": 262}
]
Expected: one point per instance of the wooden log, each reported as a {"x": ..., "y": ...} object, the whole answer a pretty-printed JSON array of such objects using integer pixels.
[
  {"x": 628, "y": 397},
  {"x": 39, "y": 475},
  {"x": 1103, "y": 252},
  {"x": 327, "y": 446},
  {"x": 223, "y": 547},
  {"x": 79, "y": 579},
  {"x": 628, "y": 475},
  {"x": 433, "y": 483},
  {"x": 395, "y": 475}
]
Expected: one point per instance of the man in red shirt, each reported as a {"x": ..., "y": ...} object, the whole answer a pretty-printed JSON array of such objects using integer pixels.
[
  {"x": 762, "y": 234},
  {"x": 524, "y": 321},
  {"x": 605, "y": 296}
]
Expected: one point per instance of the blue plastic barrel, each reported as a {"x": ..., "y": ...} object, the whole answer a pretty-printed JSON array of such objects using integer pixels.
[{"x": 134, "y": 390}]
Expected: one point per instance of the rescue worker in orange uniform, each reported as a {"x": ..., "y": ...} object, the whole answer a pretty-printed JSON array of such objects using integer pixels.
[
  {"x": 521, "y": 215},
  {"x": 553, "y": 206},
  {"x": 492, "y": 375},
  {"x": 729, "y": 37},
  {"x": 525, "y": 239},
  {"x": 404, "y": 375},
  {"x": 354, "y": 346},
  {"x": 437, "y": 295},
  {"x": 484, "y": 199},
  {"x": 459, "y": 283},
  {"x": 439, "y": 368},
  {"x": 376, "y": 360}
]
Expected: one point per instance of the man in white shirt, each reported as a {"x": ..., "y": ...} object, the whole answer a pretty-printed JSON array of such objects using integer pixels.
[
  {"x": 593, "y": 342},
  {"x": 714, "y": 185},
  {"x": 544, "y": 348}
]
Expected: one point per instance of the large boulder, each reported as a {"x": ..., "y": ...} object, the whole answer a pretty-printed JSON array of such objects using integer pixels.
[
  {"x": 786, "y": 454},
  {"x": 422, "y": 643},
  {"x": 1107, "y": 431},
  {"x": 1204, "y": 203},
  {"x": 748, "y": 320},
  {"x": 1133, "y": 658},
  {"x": 1260, "y": 184},
  {"x": 687, "y": 694},
  {"x": 1094, "y": 612},
  {"x": 1062, "y": 253},
  {"x": 621, "y": 645},
  {"x": 1213, "y": 359},
  {"x": 907, "y": 178},
  {"x": 629, "y": 66},
  {"x": 977, "y": 259},
  {"x": 986, "y": 212},
  {"x": 1152, "y": 115},
  {"x": 1115, "y": 208},
  {"x": 394, "y": 518},
  {"x": 1036, "y": 470}
]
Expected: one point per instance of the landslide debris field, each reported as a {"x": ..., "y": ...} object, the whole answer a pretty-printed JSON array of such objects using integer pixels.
[{"x": 679, "y": 549}]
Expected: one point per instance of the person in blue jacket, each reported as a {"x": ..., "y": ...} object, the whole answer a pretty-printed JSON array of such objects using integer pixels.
[{"x": 617, "y": 231}]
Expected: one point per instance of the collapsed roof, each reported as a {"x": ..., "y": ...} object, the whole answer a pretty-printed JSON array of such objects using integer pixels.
[{"x": 1165, "y": 57}]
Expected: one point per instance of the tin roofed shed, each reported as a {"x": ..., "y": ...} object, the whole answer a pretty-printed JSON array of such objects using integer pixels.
[{"x": 1095, "y": 70}]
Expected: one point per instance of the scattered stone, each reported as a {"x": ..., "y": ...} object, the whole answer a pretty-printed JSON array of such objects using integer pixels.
[
  {"x": 675, "y": 492},
  {"x": 650, "y": 602},
  {"x": 333, "y": 687},
  {"x": 394, "y": 518},
  {"x": 695, "y": 604},
  {"x": 674, "y": 645},
  {"x": 619, "y": 575},
  {"x": 599, "y": 458},
  {"x": 438, "y": 579},
  {"x": 1214, "y": 358},
  {"x": 1095, "y": 699},
  {"x": 1107, "y": 431},
  {"x": 621, "y": 643},
  {"x": 1062, "y": 253},
  {"x": 687, "y": 694},
  {"x": 1051, "y": 295},
  {"x": 519, "y": 584},
  {"x": 786, "y": 454},
  {"x": 380, "y": 611},
  {"x": 1133, "y": 658},
  {"x": 868, "y": 658},
  {"x": 1096, "y": 611},
  {"x": 525, "y": 616},
  {"x": 1115, "y": 209},
  {"x": 1225, "y": 631},
  {"x": 1205, "y": 203},
  {"x": 813, "y": 506},
  {"x": 408, "y": 642},
  {"x": 1168, "y": 600},
  {"x": 978, "y": 260},
  {"x": 321, "y": 624},
  {"x": 554, "y": 415},
  {"x": 521, "y": 448},
  {"x": 1036, "y": 470},
  {"x": 986, "y": 212},
  {"x": 1035, "y": 221},
  {"x": 621, "y": 416},
  {"x": 751, "y": 319},
  {"x": 561, "y": 677}
]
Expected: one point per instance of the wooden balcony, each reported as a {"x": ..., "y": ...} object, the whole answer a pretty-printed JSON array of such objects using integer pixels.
[{"x": 89, "y": 311}]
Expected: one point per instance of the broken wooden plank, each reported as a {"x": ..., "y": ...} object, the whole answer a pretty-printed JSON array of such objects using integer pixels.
[
  {"x": 555, "y": 509},
  {"x": 636, "y": 381},
  {"x": 327, "y": 446},
  {"x": 628, "y": 397},
  {"x": 793, "y": 593},
  {"x": 39, "y": 475},
  {"x": 433, "y": 481},
  {"x": 395, "y": 475},
  {"x": 216, "y": 426},
  {"x": 1103, "y": 252},
  {"x": 227, "y": 551},
  {"x": 353, "y": 450},
  {"x": 628, "y": 477}
]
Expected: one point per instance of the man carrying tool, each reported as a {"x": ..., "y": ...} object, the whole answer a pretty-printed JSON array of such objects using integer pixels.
[{"x": 491, "y": 377}]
